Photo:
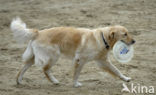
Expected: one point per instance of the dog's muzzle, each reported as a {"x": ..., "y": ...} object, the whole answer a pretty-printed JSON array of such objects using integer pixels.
[{"x": 131, "y": 43}]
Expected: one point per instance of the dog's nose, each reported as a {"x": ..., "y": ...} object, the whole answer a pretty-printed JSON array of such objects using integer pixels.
[{"x": 133, "y": 41}]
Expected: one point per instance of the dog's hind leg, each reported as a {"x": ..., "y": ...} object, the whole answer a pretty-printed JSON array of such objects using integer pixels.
[
  {"x": 49, "y": 76},
  {"x": 24, "y": 69}
]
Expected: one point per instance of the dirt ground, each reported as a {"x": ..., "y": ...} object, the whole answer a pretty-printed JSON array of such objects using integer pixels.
[{"x": 139, "y": 16}]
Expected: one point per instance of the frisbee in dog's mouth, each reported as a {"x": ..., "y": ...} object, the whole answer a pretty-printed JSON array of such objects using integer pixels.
[{"x": 122, "y": 52}]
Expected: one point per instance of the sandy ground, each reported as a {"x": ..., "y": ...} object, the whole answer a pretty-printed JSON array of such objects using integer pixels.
[{"x": 139, "y": 16}]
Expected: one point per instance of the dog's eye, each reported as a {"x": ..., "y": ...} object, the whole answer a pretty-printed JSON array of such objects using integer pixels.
[{"x": 125, "y": 34}]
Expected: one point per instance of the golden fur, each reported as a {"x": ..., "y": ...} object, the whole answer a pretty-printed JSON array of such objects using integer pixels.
[{"x": 80, "y": 44}]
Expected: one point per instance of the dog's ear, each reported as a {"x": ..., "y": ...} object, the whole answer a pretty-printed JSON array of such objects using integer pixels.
[{"x": 111, "y": 35}]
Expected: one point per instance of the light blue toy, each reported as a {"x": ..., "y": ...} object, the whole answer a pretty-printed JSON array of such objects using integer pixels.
[{"x": 123, "y": 53}]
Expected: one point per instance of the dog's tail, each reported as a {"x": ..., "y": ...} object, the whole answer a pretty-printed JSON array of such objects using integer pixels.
[{"x": 21, "y": 32}]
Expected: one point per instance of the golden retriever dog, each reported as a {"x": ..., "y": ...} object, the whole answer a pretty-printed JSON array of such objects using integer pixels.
[{"x": 79, "y": 44}]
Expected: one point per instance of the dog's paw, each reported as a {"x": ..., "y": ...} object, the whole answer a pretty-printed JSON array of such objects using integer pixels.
[
  {"x": 127, "y": 79},
  {"x": 19, "y": 81},
  {"x": 77, "y": 84},
  {"x": 56, "y": 82}
]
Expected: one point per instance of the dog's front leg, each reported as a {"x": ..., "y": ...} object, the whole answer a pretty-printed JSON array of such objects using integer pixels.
[
  {"x": 108, "y": 66},
  {"x": 77, "y": 69}
]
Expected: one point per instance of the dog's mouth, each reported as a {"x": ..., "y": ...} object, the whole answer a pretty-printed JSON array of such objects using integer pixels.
[{"x": 131, "y": 43}]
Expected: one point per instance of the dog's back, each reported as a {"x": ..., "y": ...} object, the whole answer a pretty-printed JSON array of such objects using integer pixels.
[
  {"x": 47, "y": 44},
  {"x": 67, "y": 38}
]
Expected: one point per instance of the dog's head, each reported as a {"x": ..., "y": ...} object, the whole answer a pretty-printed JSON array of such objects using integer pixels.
[{"x": 120, "y": 33}]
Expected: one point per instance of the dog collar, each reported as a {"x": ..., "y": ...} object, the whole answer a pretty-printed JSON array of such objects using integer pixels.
[{"x": 104, "y": 41}]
